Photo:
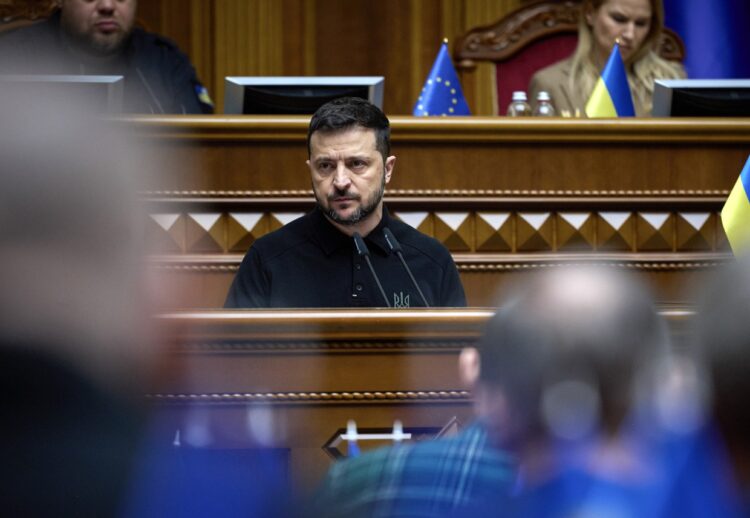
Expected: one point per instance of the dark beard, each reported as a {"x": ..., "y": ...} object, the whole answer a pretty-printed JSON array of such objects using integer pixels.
[{"x": 360, "y": 214}]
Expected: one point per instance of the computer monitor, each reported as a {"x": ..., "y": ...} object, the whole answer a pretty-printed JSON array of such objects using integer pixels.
[
  {"x": 296, "y": 95},
  {"x": 701, "y": 98},
  {"x": 103, "y": 94}
]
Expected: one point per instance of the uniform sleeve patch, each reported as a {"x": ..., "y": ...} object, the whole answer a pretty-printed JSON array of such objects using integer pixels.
[{"x": 203, "y": 96}]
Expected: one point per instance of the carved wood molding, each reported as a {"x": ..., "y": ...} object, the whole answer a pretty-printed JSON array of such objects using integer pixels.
[
  {"x": 447, "y": 195},
  {"x": 322, "y": 346},
  {"x": 292, "y": 130},
  {"x": 478, "y": 263},
  {"x": 30, "y": 10},
  {"x": 502, "y": 39},
  {"x": 398, "y": 396},
  {"x": 505, "y": 37}
]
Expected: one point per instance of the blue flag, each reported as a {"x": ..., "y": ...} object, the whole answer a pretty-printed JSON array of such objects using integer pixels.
[
  {"x": 735, "y": 216},
  {"x": 442, "y": 94},
  {"x": 716, "y": 36},
  {"x": 611, "y": 96}
]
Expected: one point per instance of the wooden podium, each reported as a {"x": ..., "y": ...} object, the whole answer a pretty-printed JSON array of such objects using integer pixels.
[
  {"x": 292, "y": 379},
  {"x": 505, "y": 196}
]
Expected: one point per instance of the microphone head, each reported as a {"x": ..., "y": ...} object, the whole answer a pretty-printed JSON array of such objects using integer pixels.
[
  {"x": 360, "y": 245},
  {"x": 391, "y": 240}
]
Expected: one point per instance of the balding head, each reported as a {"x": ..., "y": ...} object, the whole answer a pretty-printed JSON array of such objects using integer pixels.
[{"x": 571, "y": 340}]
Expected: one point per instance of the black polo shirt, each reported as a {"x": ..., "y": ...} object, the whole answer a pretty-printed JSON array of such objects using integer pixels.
[{"x": 309, "y": 263}]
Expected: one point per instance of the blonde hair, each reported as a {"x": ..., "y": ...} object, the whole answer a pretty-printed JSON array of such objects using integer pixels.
[{"x": 643, "y": 67}]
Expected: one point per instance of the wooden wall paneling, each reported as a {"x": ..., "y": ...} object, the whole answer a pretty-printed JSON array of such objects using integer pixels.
[
  {"x": 393, "y": 38},
  {"x": 478, "y": 156},
  {"x": 479, "y": 84},
  {"x": 201, "y": 49},
  {"x": 249, "y": 39}
]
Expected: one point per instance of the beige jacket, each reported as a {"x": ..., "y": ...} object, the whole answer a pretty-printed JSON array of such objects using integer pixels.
[{"x": 555, "y": 80}]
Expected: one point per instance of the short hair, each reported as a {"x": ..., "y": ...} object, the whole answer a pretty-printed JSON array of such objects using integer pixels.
[
  {"x": 591, "y": 323},
  {"x": 349, "y": 112}
]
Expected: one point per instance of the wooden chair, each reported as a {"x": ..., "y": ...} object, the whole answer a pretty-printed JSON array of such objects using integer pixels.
[
  {"x": 15, "y": 14},
  {"x": 527, "y": 40}
]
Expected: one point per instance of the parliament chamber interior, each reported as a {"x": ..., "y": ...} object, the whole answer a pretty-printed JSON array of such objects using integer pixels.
[{"x": 508, "y": 197}]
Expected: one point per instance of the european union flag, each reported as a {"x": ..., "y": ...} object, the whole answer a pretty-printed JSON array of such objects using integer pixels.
[
  {"x": 611, "y": 96},
  {"x": 735, "y": 216},
  {"x": 442, "y": 94}
]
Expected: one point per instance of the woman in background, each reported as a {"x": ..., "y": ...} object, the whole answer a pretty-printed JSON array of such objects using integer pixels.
[{"x": 637, "y": 25}]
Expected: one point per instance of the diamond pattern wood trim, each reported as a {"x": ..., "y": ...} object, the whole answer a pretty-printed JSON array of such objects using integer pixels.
[
  {"x": 205, "y": 233},
  {"x": 165, "y": 233},
  {"x": 243, "y": 229},
  {"x": 468, "y": 231},
  {"x": 455, "y": 230},
  {"x": 493, "y": 232},
  {"x": 695, "y": 231},
  {"x": 534, "y": 232},
  {"x": 419, "y": 220},
  {"x": 615, "y": 231},
  {"x": 576, "y": 231},
  {"x": 655, "y": 231}
]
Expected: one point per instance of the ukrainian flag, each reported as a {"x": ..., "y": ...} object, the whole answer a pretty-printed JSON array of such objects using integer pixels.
[
  {"x": 735, "y": 216},
  {"x": 611, "y": 96}
]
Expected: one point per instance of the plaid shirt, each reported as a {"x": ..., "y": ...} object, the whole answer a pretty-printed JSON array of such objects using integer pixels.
[{"x": 431, "y": 478}]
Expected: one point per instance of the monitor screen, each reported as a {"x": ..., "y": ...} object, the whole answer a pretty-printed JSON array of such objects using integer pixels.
[
  {"x": 701, "y": 98},
  {"x": 296, "y": 95},
  {"x": 104, "y": 94}
]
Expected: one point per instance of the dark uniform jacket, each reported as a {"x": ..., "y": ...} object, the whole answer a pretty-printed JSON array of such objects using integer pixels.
[
  {"x": 309, "y": 263},
  {"x": 158, "y": 77}
]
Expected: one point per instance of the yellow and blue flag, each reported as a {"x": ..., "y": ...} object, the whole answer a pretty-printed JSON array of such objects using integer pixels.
[
  {"x": 735, "y": 216},
  {"x": 611, "y": 96},
  {"x": 442, "y": 94}
]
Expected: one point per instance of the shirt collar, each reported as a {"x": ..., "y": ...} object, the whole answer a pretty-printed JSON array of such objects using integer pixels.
[{"x": 331, "y": 239}]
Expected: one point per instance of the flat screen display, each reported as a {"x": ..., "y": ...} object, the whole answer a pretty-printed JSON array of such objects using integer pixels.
[
  {"x": 701, "y": 98},
  {"x": 103, "y": 94},
  {"x": 296, "y": 95}
]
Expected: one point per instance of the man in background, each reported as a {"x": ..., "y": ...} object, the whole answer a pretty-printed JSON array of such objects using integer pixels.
[{"x": 99, "y": 37}]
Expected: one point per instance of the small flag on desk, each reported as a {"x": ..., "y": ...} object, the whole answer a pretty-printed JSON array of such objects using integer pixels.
[
  {"x": 611, "y": 96},
  {"x": 735, "y": 216},
  {"x": 442, "y": 94}
]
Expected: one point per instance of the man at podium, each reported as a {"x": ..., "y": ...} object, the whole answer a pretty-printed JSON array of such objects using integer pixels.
[{"x": 349, "y": 251}]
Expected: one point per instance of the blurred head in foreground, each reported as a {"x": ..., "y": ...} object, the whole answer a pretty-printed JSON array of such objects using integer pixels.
[
  {"x": 74, "y": 344},
  {"x": 723, "y": 344},
  {"x": 563, "y": 355}
]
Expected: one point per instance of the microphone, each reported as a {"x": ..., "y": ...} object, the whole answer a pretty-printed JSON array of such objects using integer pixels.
[
  {"x": 362, "y": 250},
  {"x": 395, "y": 247},
  {"x": 149, "y": 90}
]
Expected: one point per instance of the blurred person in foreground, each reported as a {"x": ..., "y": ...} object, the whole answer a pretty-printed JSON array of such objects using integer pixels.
[
  {"x": 721, "y": 469},
  {"x": 556, "y": 377},
  {"x": 637, "y": 24},
  {"x": 614, "y": 414},
  {"x": 99, "y": 37},
  {"x": 75, "y": 347}
]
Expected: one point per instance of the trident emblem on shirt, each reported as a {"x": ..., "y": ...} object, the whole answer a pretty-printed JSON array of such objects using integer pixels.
[{"x": 400, "y": 300}]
